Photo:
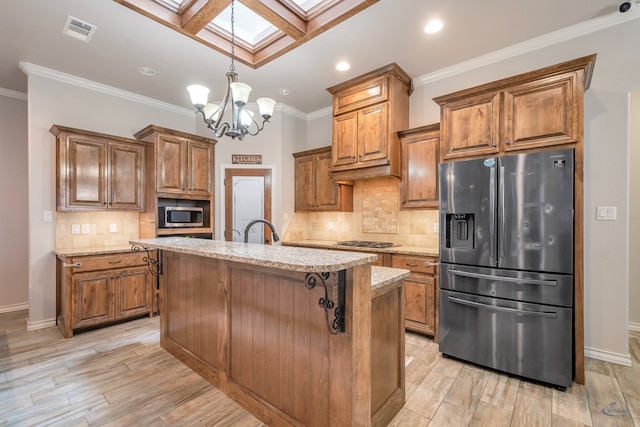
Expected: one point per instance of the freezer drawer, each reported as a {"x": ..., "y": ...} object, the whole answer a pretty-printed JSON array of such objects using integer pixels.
[
  {"x": 539, "y": 288},
  {"x": 530, "y": 340}
]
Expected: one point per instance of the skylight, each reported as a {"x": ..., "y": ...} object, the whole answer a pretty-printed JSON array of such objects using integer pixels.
[
  {"x": 249, "y": 26},
  {"x": 264, "y": 29}
]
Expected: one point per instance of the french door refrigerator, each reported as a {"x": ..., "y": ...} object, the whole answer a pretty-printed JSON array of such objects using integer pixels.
[{"x": 506, "y": 255}]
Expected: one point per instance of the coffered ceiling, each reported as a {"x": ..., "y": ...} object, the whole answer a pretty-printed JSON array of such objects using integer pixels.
[{"x": 264, "y": 29}]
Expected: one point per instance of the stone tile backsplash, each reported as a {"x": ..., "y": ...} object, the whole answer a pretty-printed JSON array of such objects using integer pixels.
[
  {"x": 99, "y": 234},
  {"x": 376, "y": 216}
]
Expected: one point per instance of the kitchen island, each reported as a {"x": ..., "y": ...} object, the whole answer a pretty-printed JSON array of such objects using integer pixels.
[{"x": 297, "y": 336}]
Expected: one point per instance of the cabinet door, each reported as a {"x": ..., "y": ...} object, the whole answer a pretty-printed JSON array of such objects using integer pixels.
[
  {"x": 133, "y": 292},
  {"x": 304, "y": 183},
  {"x": 541, "y": 113},
  {"x": 86, "y": 184},
  {"x": 126, "y": 163},
  {"x": 373, "y": 137},
  {"x": 326, "y": 189},
  {"x": 420, "y": 169},
  {"x": 93, "y": 302},
  {"x": 470, "y": 127},
  {"x": 200, "y": 166},
  {"x": 419, "y": 311},
  {"x": 171, "y": 163},
  {"x": 345, "y": 139}
]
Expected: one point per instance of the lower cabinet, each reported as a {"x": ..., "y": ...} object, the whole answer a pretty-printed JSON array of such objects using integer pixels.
[
  {"x": 94, "y": 290},
  {"x": 420, "y": 290}
]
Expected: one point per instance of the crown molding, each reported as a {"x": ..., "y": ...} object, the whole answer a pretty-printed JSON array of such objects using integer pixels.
[
  {"x": 13, "y": 94},
  {"x": 546, "y": 40},
  {"x": 37, "y": 70}
]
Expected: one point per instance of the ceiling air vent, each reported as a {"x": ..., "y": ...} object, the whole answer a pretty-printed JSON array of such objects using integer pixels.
[{"x": 79, "y": 29}]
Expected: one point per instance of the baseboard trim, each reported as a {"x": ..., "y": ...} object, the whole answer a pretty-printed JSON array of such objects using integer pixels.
[
  {"x": 34, "y": 326},
  {"x": 608, "y": 356},
  {"x": 14, "y": 307},
  {"x": 634, "y": 326}
]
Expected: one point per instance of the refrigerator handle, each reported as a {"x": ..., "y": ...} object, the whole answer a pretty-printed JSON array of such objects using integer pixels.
[
  {"x": 524, "y": 281},
  {"x": 492, "y": 219},
  {"x": 515, "y": 311},
  {"x": 502, "y": 235}
]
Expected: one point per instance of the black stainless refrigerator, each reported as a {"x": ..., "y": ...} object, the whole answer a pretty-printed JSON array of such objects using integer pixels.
[{"x": 506, "y": 255}]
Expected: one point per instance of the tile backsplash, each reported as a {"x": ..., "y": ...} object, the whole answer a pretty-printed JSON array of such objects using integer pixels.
[
  {"x": 99, "y": 230},
  {"x": 376, "y": 216}
]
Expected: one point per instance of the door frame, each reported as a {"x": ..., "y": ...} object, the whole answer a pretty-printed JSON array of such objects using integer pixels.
[{"x": 246, "y": 170}]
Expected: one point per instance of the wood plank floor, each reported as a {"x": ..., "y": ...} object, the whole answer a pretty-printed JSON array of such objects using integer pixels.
[{"x": 119, "y": 376}]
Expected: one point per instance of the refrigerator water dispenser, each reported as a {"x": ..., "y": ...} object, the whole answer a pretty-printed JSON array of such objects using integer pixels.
[{"x": 460, "y": 230}]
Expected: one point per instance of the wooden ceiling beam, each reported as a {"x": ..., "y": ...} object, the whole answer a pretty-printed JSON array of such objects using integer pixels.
[
  {"x": 200, "y": 13},
  {"x": 280, "y": 16}
]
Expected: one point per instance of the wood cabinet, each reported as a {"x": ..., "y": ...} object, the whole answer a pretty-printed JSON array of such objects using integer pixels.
[
  {"x": 96, "y": 171},
  {"x": 532, "y": 110},
  {"x": 315, "y": 188},
  {"x": 420, "y": 153},
  {"x": 421, "y": 292},
  {"x": 368, "y": 111},
  {"x": 181, "y": 167},
  {"x": 94, "y": 290}
]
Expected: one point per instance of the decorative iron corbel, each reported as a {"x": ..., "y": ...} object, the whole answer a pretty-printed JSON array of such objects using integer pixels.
[
  {"x": 155, "y": 266},
  {"x": 311, "y": 280}
]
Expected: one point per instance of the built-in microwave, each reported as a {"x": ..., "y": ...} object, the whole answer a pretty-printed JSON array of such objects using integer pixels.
[{"x": 180, "y": 216}]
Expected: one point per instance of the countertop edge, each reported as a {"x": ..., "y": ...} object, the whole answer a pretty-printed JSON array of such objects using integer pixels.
[{"x": 400, "y": 250}]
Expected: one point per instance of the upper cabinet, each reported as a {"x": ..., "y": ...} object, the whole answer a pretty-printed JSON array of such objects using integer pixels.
[
  {"x": 420, "y": 148},
  {"x": 183, "y": 162},
  {"x": 368, "y": 111},
  {"x": 97, "y": 171},
  {"x": 536, "y": 109},
  {"x": 315, "y": 188}
]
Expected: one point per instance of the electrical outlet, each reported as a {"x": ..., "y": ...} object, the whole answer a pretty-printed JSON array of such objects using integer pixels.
[
  {"x": 436, "y": 227},
  {"x": 330, "y": 225},
  {"x": 85, "y": 228},
  {"x": 48, "y": 216},
  {"x": 75, "y": 228},
  {"x": 113, "y": 228}
]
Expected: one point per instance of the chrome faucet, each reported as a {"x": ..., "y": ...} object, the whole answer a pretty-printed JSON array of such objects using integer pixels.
[{"x": 273, "y": 230}]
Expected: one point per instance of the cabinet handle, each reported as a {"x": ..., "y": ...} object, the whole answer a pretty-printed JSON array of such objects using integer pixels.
[
  {"x": 115, "y": 262},
  {"x": 431, "y": 264},
  {"x": 412, "y": 265},
  {"x": 76, "y": 264}
]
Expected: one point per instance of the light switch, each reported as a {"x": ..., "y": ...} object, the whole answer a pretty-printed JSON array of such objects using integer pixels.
[
  {"x": 436, "y": 227},
  {"x": 48, "y": 216},
  {"x": 75, "y": 228},
  {"x": 606, "y": 213},
  {"x": 113, "y": 228}
]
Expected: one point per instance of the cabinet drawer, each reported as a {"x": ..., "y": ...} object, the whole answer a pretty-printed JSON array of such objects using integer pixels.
[
  {"x": 362, "y": 95},
  {"x": 416, "y": 264},
  {"x": 106, "y": 262}
]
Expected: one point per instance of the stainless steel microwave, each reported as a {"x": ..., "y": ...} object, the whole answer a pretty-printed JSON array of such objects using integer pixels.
[{"x": 180, "y": 216}]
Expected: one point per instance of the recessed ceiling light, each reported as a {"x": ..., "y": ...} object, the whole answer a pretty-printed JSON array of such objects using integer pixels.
[
  {"x": 343, "y": 66},
  {"x": 433, "y": 26},
  {"x": 147, "y": 71},
  {"x": 284, "y": 92}
]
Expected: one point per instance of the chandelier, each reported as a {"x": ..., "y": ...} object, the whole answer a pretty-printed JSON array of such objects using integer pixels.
[{"x": 242, "y": 121}]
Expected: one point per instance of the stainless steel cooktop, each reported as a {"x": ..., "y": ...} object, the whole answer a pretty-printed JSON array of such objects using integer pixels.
[{"x": 366, "y": 244}]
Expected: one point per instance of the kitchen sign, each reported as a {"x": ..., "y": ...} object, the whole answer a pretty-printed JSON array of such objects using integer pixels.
[{"x": 246, "y": 159}]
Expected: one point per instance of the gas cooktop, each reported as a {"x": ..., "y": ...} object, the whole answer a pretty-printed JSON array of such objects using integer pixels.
[{"x": 366, "y": 244}]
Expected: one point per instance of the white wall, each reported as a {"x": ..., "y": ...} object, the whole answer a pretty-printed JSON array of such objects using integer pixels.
[
  {"x": 14, "y": 290},
  {"x": 606, "y": 168},
  {"x": 634, "y": 214},
  {"x": 55, "y": 102}
]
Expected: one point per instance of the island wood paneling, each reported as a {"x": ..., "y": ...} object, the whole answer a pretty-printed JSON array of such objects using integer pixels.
[{"x": 260, "y": 336}]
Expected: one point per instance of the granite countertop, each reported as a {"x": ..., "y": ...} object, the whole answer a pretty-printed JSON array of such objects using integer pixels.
[
  {"x": 383, "y": 276},
  {"x": 402, "y": 250},
  {"x": 103, "y": 250},
  {"x": 284, "y": 257}
]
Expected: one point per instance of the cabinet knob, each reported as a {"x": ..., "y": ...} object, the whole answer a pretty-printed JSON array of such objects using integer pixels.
[{"x": 508, "y": 142}]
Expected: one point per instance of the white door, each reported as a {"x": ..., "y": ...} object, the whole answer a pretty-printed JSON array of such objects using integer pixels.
[{"x": 247, "y": 198}]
